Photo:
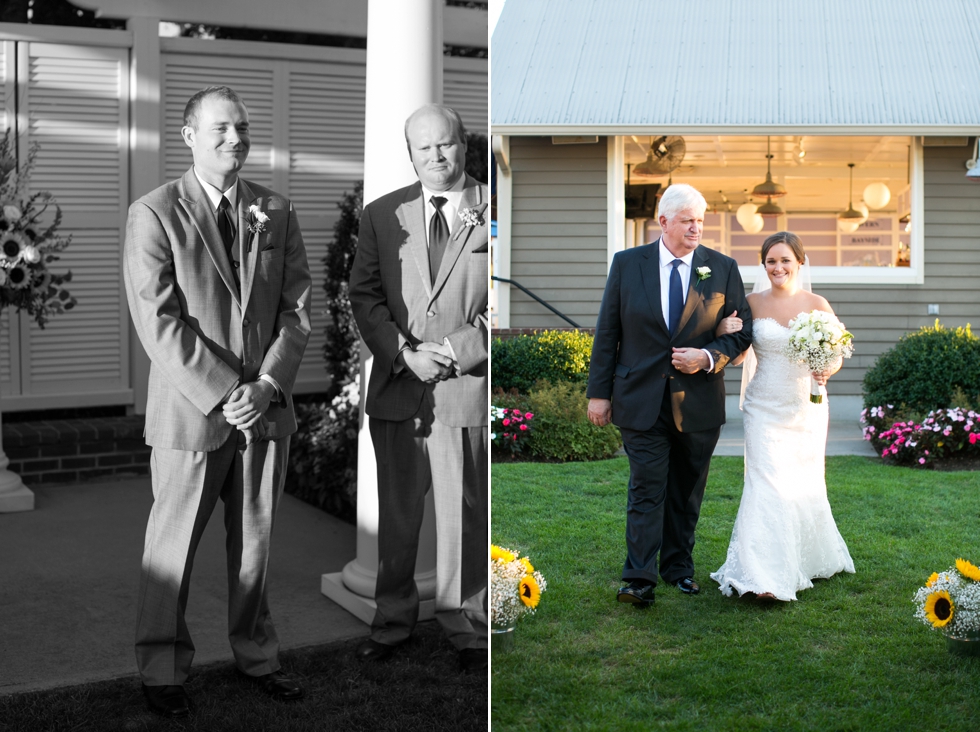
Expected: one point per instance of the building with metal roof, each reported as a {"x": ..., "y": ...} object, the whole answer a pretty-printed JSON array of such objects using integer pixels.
[{"x": 598, "y": 103}]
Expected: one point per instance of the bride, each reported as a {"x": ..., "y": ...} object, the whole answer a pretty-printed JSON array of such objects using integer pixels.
[{"x": 784, "y": 534}]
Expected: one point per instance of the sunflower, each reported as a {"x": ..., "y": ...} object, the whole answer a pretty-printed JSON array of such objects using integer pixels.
[
  {"x": 529, "y": 591},
  {"x": 932, "y": 579},
  {"x": 528, "y": 567},
  {"x": 498, "y": 554},
  {"x": 939, "y": 609},
  {"x": 968, "y": 569},
  {"x": 12, "y": 243},
  {"x": 19, "y": 276}
]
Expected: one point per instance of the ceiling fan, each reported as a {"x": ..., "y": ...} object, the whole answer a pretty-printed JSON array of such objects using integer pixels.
[{"x": 666, "y": 153}]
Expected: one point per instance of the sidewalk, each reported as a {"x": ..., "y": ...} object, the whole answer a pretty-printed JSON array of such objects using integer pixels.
[
  {"x": 843, "y": 438},
  {"x": 69, "y": 574}
]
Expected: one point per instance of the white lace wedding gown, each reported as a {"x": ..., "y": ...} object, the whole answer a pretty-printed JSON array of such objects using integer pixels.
[{"x": 784, "y": 533}]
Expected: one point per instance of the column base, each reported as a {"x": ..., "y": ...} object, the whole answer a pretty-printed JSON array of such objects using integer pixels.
[
  {"x": 363, "y": 608},
  {"x": 15, "y": 496}
]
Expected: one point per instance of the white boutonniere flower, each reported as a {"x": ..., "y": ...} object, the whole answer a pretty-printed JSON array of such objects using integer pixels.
[
  {"x": 256, "y": 220},
  {"x": 703, "y": 273},
  {"x": 470, "y": 218}
]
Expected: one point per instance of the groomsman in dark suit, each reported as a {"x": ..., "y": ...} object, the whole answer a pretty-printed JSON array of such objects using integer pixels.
[
  {"x": 219, "y": 290},
  {"x": 657, "y": 374},
  {"x": 419, "y": 294}
]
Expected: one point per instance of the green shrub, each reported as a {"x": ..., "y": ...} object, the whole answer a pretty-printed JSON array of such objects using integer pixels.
[
  {"x": 562, "y": 430},
  {"x": 924, "y": 370},
  {"x": 551, "y": 355}
]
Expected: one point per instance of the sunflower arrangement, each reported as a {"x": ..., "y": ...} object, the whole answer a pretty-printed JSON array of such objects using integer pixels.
[
  {"x": 28, "y": 247},
  {"x": 950, "y": 600},
  {"x": 515, "y": 587}
]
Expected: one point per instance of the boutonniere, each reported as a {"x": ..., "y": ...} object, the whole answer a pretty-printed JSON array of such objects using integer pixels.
[
  {"x": 703, "y": 273},
  {"x": 470, "y": 217},
  {"x": 256, "y": 220}
]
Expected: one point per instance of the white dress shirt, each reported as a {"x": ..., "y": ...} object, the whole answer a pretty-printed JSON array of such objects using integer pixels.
[
  {"x": 214, "y": 195},
  {"x": 684, "y": 270}
]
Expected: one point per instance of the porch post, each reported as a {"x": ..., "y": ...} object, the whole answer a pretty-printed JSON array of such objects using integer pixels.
[{"x": 409, "y": 31}]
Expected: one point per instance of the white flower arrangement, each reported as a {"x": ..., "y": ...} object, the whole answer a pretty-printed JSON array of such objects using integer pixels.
[
  {"x": 515, "y": 587},
  {"x": 950, "y": 601},
  {"x": 818, "y": 340},
  {"x": 703, "y": 273},
  {"x": 470, "y": 217},
  {"x": 28, "y": 246},
  {"x": 257, "y": 220}
]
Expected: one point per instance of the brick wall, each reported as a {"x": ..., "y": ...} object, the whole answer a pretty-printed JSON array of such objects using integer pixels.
[{"x": 72, "y": 450}]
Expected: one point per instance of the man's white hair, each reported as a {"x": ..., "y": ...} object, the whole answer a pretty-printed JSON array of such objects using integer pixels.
[{"x": 680, "y": 196}]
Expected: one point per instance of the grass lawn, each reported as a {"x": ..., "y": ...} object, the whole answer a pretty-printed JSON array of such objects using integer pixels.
[
  {"x": 419, "y": 688},
  {"x": 848, "y": 655}
]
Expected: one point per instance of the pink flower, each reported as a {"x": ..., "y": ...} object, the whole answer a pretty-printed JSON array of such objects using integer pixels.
[
  {"x": 516, "y": 412},
  {"x": 523, "y": 427},
  {"x": 922, "y": 461},
  {"x": 529, "y": 415},
  {"x": 974, "y": 438},
  {"x": 884, "y": 453},
  {"x": 506, "y": 423},
  {"x": 926, "y": 452},
  {"x": 514, "y": 436}
]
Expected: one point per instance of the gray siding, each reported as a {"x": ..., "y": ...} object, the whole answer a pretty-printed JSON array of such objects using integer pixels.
[
  {"x": 558, "y": 233},
  {"x": 880, "y": 315}
]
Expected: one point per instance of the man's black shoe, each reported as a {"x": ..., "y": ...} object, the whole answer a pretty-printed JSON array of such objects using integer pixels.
[
  {"x": 371, "y": 650},
  {"x": 688, "y": 586},
  {"x": 277, "y": 685},
  {"x": 637, "y": 593},
  {"x": 167, "y": 701},
  {"x": 473, "y": 660}
]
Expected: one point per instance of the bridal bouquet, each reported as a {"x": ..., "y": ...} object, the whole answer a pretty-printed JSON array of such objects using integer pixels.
[
  {"x": 27, "y": 246},
  {"x": 950, "y": 601},
  {"x": 515, "y": 587},
  {"x": 819, "y": 340}
]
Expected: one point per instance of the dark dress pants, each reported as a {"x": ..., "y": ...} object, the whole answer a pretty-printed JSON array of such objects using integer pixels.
[{"x": 668, "y": 472}]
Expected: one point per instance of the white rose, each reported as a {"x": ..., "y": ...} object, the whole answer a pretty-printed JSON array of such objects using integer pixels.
[
  {"x": 11, "y": 213},
  {"x": 259, "y": 215},
  {"x": 31, "y": 254}
]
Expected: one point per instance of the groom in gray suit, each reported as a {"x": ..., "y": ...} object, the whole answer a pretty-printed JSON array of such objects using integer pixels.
[
  {"x": 418, "y": 290},
  {"x": 219, "y": 290}
]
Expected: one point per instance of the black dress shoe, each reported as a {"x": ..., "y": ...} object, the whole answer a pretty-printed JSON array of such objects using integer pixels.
[
  {"x": 277, "y": 685},
  {"x": 639, "y": 594},
  {"x": 371, "y": 650},
  {"x": 473, "y": 660},
  {"x": 167, "y": 701},
  {"x": 688, "y": 586}
]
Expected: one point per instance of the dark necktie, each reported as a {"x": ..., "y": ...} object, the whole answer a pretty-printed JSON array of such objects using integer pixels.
[
  {"x": 675, "y": 297},
  {"x": 227, "y": 230},
  {"x": 438, "y": 236}
]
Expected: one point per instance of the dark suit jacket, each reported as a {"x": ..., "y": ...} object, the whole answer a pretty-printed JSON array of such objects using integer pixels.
[
  {"x": 632, "y": 350},
  {"x": 396, "y": 305}
]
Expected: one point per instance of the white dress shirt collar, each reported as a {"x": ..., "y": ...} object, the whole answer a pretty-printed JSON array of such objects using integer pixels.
[{"x": 214, "y": 195}]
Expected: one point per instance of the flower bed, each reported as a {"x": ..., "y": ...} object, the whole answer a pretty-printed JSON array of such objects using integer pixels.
[{"x": 943, "y": 434}]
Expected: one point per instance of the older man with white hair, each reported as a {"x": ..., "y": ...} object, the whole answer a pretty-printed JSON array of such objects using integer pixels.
[{"x": 657, "y": 374}]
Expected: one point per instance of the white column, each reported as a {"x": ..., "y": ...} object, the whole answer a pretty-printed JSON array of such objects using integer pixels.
[
  {"x": 404, "y": 71},
  {"x": 505, "y": 189}
]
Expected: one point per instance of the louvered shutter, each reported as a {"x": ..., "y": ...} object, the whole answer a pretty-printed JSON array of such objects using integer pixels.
[
  {"x": 9, "y": 348},
  {"x": 464, "y": 88},
  {"x": 326, "y": 159},
  {"x": 77, "y": 109}
]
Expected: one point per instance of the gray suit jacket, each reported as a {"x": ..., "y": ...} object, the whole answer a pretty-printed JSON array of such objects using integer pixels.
[
  {"x": 201, "y": 334},
  {"x": 395, "y": 304}
]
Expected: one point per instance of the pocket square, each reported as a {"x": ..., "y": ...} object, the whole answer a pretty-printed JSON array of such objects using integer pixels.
[{"x": 480, "y": 250}]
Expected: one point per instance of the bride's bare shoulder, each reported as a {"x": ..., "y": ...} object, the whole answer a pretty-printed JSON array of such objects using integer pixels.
[{"x": 818, "y": 302}]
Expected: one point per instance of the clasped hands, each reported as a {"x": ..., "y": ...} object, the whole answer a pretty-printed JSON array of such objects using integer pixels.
[
  {"x": 246, "y": 406},
  {"x": 429, "y": 362}
]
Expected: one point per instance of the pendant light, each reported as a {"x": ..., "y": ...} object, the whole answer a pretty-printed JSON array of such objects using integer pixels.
[
  {"x": 769, "y": 189},
  {"x": 850, "y": 219},
  {"x": 769, "y": 210}
]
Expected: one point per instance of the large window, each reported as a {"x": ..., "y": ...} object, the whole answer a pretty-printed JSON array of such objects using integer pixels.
[{"x": 812, "y": 176}]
